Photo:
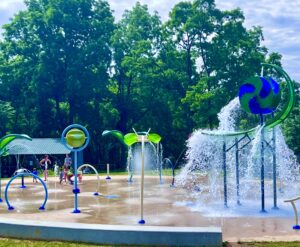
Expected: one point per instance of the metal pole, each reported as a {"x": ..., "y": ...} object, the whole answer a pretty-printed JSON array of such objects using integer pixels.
[
  {"x": 296, "y": 227},
  {"x": 159, "y": 163},
  {"x": 18, "y": 162},
  {"x": 225, "y": 175},
  {"x": 262, "y": 162},
  {"x": 237, "y": 172},
  {"x": 173, "y": 176},
  {"x": 142, "y": 221},
  {"x": 22, "y": 185},
  {"x": 129, "y": 165},
  {"x": 76, "y": 191},
  {"x": 274, "y": 171},
  {"x": 107, "y": 171}
]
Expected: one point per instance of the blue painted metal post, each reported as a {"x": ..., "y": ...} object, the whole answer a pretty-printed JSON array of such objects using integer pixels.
[
  {"x": 107, "y": 172},
  {"x": 225, "y": 175},
  {"x": 160, "y": 174},
  {"x": 262, "y": 163},
  {"x": 22, "y": 185},
  {"x": 76, "y": 190},
  {"x": 237, "y": 172},
  {"x": 274, "y": 171},
  {"x": 75, "y": 149}
]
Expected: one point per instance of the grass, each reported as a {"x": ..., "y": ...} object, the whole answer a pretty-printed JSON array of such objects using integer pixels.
[
  {"x": 165, "y": 172},
  {"x": 263, "y": 244},
  {"x": 6, "y": 242}
]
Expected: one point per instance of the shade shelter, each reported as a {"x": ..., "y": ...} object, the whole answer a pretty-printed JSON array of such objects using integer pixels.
[{"x": 38, "y": 146}]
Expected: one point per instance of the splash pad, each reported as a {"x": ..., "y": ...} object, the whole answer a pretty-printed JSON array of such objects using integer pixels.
[
  {"x": 238, "y": 169},
  {"x": 111, "y": 216}
]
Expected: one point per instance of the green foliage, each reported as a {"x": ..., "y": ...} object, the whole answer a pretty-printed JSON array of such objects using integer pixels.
[
  {"x": 55, "y": 58},
  {"x": 229, "y": 54},
  {"x": 7, "y": 113},
  {"x": 291, "y": 126},
  {"x": 36, "y": 243}
]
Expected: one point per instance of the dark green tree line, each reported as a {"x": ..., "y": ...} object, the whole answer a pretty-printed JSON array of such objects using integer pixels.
[{"x": 68, "y": 61}]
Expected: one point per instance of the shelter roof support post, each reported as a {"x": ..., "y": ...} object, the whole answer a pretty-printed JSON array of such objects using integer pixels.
[{"x": 18, "y": 161}]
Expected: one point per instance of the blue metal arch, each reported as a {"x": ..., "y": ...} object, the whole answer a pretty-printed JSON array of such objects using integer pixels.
[{"x": 10, "y": 207}]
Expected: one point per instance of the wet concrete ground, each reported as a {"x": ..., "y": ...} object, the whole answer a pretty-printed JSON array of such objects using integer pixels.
[{"x": 119, "y": 204}]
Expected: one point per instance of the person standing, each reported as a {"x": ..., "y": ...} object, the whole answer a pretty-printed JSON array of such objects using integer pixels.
[
  {"x": 56, "y": 169},
  {"x": 61, "y": 174},
  {"x": 44, "y": 164},
  {"x": 67, "y": 165}
]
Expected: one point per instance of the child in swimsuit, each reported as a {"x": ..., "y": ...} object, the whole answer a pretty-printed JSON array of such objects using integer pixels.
[
  {"x": 61, "y": 175},
  {"x": 70, "y": 175},
  {"x": 44, "y": 164},
  {"x": 35, "y": 172}
]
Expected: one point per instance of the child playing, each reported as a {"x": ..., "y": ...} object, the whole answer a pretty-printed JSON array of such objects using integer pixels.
[
  {"x": 67, "y": 166},
  {"x": 35, "y": 172},
  {"x": 61, "y": 175},
  {"x": 79, "y": 175},
  {"x": 69, "y": 176}
]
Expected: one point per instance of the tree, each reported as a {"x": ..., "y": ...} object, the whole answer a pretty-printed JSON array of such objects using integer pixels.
[
  {"x": 64, "y": 62},
  {"x": 7, "y": 113},
  {"x": 55, "y": 61},
  {"x": 291, "y": 126},
  {"x": 229, "y": 55},
  {"x": 135, "y": 44}
]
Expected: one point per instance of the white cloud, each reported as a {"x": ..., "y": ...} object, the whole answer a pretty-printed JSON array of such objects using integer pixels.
[
  {"x": 280, "y": 21},
  {"x": 5, "y": 4},
  {"x": 163, "y": 7},
  {"x": 281, "y": 26},
  {"x": 8, "y": 8}
]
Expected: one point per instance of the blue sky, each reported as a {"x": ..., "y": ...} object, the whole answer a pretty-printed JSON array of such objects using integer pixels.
[{"x": 280, "y": 20}]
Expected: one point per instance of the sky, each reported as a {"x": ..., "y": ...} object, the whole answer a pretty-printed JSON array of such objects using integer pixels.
[{"x": 280, "y": 20}]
